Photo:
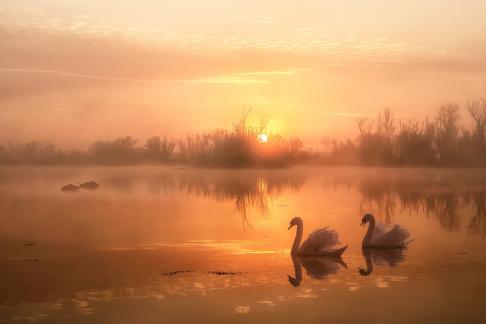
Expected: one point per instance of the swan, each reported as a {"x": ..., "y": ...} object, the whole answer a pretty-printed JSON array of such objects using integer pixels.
[
  {"x": 320, "y": 242},
  {"x": 316, "y": 267},
  {"x": 381, "y": 257},
  {"x": 379, "y": 236}
]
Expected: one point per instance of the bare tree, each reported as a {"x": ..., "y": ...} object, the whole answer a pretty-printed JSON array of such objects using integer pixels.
[
  {"x": 160, "y": 149},
  {"x": 385, "y": 124},
  {"x": 477, "y": 110},
  {"x": 239, "y": 126},
  {"x": 376, "y": 139},
  {"x": 475, "y": 142},
  {"x": 447, "y": 133},
  {"x": 414, "y": 143}
]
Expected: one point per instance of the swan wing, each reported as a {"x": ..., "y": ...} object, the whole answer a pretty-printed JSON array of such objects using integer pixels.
[
  {"x": 380, "y": 230},
  {"x": 319, "y": 240},
  {"x": 397, "y": 235}
]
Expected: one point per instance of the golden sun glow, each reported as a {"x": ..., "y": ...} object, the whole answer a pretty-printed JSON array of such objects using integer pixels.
[{"x": 262, "y": 138}]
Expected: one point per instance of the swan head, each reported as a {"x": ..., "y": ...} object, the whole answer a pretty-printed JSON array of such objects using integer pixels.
[
  {"x": 367, "y": 218},
  {"x": 295, "y": 222}
]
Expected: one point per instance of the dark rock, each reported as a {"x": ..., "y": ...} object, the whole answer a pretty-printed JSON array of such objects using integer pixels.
[
  {"x": 90, "y": 185},
  {"x": 70, "y": 188}
]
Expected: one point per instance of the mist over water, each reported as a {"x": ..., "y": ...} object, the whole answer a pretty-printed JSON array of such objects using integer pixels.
[
  {"x": 242, "y": 162},
  {"x": 155, "y": 242}
]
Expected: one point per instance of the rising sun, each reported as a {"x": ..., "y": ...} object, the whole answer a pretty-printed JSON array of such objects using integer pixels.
[{"x": 262, "y": 138}]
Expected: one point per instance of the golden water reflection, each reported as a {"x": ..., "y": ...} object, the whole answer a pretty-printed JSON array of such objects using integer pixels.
[
  {"x": 167, "y": 245},
  {"x": 234, "y": 283}
]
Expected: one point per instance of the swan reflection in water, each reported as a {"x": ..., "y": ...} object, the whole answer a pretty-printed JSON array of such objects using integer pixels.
[
  {"x": 316, "y": 267},
  {"x": 381, "y": 257}
]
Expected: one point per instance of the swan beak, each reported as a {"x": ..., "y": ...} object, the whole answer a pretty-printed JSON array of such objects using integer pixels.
[
  {"x": 290, "y": 226},
  {"x": 362, "y": 223}
]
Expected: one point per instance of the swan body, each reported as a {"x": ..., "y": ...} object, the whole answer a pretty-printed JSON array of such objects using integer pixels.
[
  {"x": 321, "y": 242},
  {"x": 382, "y": 237}
]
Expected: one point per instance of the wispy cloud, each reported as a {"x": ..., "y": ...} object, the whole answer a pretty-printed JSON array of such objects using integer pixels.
[
  {"x": 303, "y": 40},
  {"x": 363, "y": 115},
  {"x": 350, "y": 114},
  {"x": 226, "y": 80},
  {"x": 215, "y": 79},
  {"x": 271, "y": 73},
  {"x": 75, "y": 75}
]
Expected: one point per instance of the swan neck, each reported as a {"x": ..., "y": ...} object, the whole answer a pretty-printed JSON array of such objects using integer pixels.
[
  {"x": 298, "y": 239},
  {"x": 369, "y": 234}
]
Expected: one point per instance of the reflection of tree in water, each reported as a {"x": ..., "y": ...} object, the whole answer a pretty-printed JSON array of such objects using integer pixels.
[
  {"x": 249, "y": 190},
  {"x": 374, "y": 191},
  {"x": 477, "y": 225},
  {"x": 445, "y": 206},
  {"x": 415, "y": 196},
  {"x": 443, "y": 197}
]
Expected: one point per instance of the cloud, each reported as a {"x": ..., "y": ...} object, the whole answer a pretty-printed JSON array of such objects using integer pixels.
[
  {"x": 216, "y": 79},
  {"x": 272, "y": 73},
  {"x": 350, "y": 114},
  {"x": 226, "y": 80},
  {"x": 303, "y": 41},
  {"x": 76, "y": 75},
  {"x": 80, "y": 49}
]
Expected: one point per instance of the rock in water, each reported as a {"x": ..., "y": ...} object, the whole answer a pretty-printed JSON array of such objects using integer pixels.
[
  {"x": 90, "y": 185},
  {"x": 70, "y": 188}
]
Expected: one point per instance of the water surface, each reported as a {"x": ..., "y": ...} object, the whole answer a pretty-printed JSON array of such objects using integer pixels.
[{"x": 173, "y": 245}]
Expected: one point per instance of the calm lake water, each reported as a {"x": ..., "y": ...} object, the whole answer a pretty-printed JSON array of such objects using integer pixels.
[{"x": 173, "y": 245}]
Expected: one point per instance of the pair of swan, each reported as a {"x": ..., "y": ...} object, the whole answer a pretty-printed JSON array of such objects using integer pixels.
[
  {"x": 324, "y": 241},
  {"x": 381, "y": 245}
]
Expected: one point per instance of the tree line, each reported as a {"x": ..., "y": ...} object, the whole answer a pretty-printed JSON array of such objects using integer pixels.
[
  {"x": 439, "y": 140},
  {"x": 238, "y": 147}
]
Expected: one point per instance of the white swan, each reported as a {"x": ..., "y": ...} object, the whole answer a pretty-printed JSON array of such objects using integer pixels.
[
  {"x": 380, "y": 236},
  {"x": 320, "y": 242}
]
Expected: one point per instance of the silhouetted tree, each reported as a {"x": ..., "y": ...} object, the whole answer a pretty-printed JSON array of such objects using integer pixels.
[
  {"x": 477, "y": 140},
  {"x": 343, "y": 152},
  {"x": 447, "y": 133},
  {"x": 376, "y": 139},
  {"x": 120, "y": 150},
  {"x": 158, "y": 149},
  {"x": 436, "y": 141},
  {"x": 414, "y": 144}
]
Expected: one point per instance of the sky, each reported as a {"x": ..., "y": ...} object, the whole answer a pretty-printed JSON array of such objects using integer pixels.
[{"x": 73, "y": 72}]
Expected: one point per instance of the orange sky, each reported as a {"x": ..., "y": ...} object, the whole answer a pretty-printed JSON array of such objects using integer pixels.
[{"x": 76, "y": 71}]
